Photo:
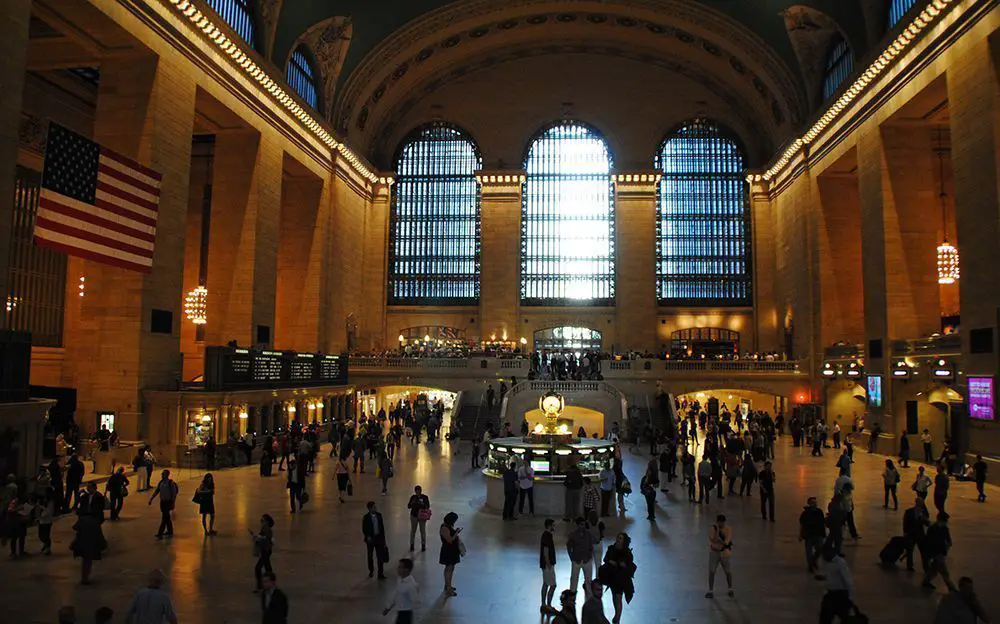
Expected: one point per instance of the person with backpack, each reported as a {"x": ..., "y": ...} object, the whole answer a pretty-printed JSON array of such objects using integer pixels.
[
  {"x": 167, "y": 491},
  {"x": 890, "y": 480}
]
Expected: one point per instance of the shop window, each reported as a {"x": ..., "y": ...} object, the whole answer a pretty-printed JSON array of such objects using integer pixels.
[
  {"x": 434, "y": 231},
  {"x": 568, "y": 219},
  {"x": 703, "y": 218}
]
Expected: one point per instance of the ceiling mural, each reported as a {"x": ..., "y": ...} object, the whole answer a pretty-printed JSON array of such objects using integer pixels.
[{"x": 328, "y": 41}]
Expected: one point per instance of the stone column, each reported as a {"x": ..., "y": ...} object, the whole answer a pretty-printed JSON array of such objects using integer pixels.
[
  {"x": 766, "y": 326},
  {"x": 145, "y": 110},
  {"x": 974, "y": 108},
  {"x": 635, "y": 264},
  {"x": 243, "y": 237},
  {"x": 14, "y": 15},
  {"x": 500, "y": 253},
  {"x": 302, "y": 263},
  {"x": 375, "y": 270}
]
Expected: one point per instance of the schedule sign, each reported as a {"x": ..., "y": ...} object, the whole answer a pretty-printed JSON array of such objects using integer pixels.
[
  {"x": 232, "y": 368},
  {"x": 981, "y": 398}
]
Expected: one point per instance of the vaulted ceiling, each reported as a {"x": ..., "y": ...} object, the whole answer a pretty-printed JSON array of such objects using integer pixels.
[{"x": 754, "y": 61}]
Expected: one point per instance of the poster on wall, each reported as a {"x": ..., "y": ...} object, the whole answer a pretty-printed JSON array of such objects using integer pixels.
[
  {"x": 875, "y": 390},
  {"x": 980, "y": 398}
]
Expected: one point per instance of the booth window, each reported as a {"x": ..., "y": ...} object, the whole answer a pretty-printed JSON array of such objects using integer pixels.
[
  {"x": 301, "y": 78},
  {"x": 839, "y": 65},
  {"x": 703, "y": 218},
  {"x": 239, "y": 15},
  {"x": 434, "y": 231},
  {"x": 568, "y": 219}
]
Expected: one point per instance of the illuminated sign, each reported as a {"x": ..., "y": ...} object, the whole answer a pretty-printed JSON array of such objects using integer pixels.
[
  {"x": 875, "y": 390},
  {"x": 981, "y": 398}
]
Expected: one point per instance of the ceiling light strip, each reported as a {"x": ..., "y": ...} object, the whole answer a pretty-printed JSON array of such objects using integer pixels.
[
  {"x": 234, "y": 51},
  {"x": 931, "y": 13}
]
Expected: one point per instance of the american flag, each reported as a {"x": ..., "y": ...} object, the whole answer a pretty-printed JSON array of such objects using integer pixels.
[{"x": 96, "y": 204}]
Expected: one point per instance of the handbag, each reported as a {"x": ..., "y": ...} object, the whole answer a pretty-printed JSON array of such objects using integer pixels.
[
  {"x": 424, "y": 514},
  {"x": 304, "y": 498},
  {"x": 461, "y": 548}
]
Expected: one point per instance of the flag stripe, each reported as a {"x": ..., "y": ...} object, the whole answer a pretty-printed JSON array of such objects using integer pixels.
[
  {"x": 72, "y": 248},
  {"x": 48, "y": 207},
  {"x": 64, "y": 214},
  {"x": 148, "y": 223},
  {"x": 131, "y": 164},
  {"x": 109, "y": 170},
  {"x": 104, "y": 193},
  {"x": 78, "y": 232},
  {"x": 126, "y": 191}
]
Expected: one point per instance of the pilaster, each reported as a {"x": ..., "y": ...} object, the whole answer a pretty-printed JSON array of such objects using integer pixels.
[
  {"x": 500, "y": 251},
  {"x": 635, "y": 279}
]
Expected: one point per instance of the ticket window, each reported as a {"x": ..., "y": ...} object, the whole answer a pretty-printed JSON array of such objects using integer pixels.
[
  {"x": 200, "y": 428},
  {"x": 106, "y": 420}
]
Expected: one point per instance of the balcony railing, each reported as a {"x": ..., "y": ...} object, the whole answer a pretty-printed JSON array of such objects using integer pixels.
[{"x": 610, "y": 368}]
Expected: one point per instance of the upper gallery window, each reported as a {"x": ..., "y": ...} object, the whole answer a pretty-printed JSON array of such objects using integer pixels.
[
  {"x": 897, "y": 9},
  {"x": 703, "y": 218},
  {"x": 239, "y": 15},
  {"x": 568, "y": 219},
  {"x": 300, "y": 77},
  {"x": 839, "y": 65},
  {"x": 434, "y": 229}
]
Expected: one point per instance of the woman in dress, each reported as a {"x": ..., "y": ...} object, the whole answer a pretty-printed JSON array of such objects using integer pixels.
[
  {"x": 205, "y": 497},
  {"x": 343, "y": 477},
  {"x": 451, "y": 552},
  {"x": 88, "y": 545},
  {"x": 617, "y": 572}
]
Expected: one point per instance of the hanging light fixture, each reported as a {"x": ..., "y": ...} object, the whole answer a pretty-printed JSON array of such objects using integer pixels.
[
  {"x": 196, "y": 305},
  {"x": 947, "y": 254}
]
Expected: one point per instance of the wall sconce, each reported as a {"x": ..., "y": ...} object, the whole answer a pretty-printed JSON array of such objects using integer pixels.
[{"x": 82, "y": 286}]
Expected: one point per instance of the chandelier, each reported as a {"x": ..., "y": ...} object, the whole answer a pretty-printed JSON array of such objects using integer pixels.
[
  {"x": 947, "y": 254},
  {"x": 196, "y": 305}
]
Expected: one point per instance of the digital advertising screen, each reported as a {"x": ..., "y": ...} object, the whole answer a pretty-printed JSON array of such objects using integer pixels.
[
  {"x": 981, "y": 398},
  {"x": 875, "y": 390}
]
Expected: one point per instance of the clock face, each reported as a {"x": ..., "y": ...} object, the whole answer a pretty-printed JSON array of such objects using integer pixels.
[{"x": 551, "y": 404}]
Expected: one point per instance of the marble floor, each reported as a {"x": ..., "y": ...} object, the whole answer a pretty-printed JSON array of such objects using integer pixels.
[{"x": 320, "y": 558}]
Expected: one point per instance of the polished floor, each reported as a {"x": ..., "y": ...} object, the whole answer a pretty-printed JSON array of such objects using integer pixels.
[{"x": 320, "y": 558}]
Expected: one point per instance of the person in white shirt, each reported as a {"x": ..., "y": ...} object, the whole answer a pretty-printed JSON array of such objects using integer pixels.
[
  {"x": 526, "y": 483},
  {"x": 839, "y": 598},
  {"x": 405, "y": 598}
]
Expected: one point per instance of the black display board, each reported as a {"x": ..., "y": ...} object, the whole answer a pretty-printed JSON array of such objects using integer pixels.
[{"x": 232, "y": 368}]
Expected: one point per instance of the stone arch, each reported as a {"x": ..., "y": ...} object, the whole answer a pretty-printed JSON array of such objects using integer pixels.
[{"x": 812, "y": 33}]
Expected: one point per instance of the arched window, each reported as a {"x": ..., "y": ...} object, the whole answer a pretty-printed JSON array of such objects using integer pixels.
[
  {"x": 299, "y": 75},
  {"x": 703, "y": 218},
  {"x": 568, "y": 219},
  {"x": 839, "y": 64},
  {"x": 434, "y": 231},
  {"x": 897, "y": 9},
  {"x": 239, "y": 15}
]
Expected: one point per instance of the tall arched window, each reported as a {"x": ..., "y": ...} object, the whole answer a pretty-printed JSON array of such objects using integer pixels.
[
  {"x": 839, "y": 65},
  {"x": 568, "y": 219},
  {"x": 703, "y": 218},
  {"x": 434, "y": 231},
  {"x": 239, "y": 15},
  {"x": 299, "y": 75},
  {"x": 897, "y": 9}
]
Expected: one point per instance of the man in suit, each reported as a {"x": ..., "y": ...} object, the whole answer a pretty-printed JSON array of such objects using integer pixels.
[
  {"x": 273, "y": 601},
  {"x": 373, "y": 529}
]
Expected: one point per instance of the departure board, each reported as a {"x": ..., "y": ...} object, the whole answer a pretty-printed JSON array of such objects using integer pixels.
[{"x": 229, "y": 368}]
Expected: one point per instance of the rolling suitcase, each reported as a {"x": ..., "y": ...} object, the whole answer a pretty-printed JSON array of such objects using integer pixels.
[{"x": 893, "y": 551}]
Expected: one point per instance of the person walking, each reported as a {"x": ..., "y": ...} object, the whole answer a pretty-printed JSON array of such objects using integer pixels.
[
  {"x": 88, "y": 545},
  {"x": 962, "y": 606},
  {"x": 204, "y": 497},
  {"x": 941, "y": 484},
  {"x": 451, "y": 551},
  {"x": 720, "y": 550},
  {"x": 385, "y": 470},
  {"x": 74, "y": 478},
  {"x": 566, "y": 614},
  {"x": 509, "y": 491},
  {"x": 139, "y": 468},
  {"x": 149, "y": 459},
  {"x": 48, "y": 505},
  {"x": 844, "y": 463},
  {"x": 979, "y": 470},
  {"x": 359, "y": 452},
  {"x": 927, "y": 441},
  {"x": 263, "y": 547},
  {"x": 748, "y": 474},
  {"x": 574, "y": 485},
  {"x": 151, "y": 605},
  {"x": 591, "y": 497},
  {"x": 619, "y": 569},
  {"x": 373, "y": 530},
  {"x": 922, "y": 483},
  {"x": 116, "y": 489},
  {"x": 766, "y": 479},
  {"x": 648, "y": 491},
  {"x": 838, "y": 601},
  {"x": 547, "y": 563},
  {"x": 526, "y": 488},
  {"x": 593, "y": 606},
  {"x": 273, "y": 601},
  {"x": 937, "y": 543},
  {"x": 343, "y": 477},
  {"x": 607, "y": 477},
  {"x": 420, "y": 512},
  {"x": 92, "y": 502},
  {"x": 295, "y": 482},
  {"x": 812, "y": 531},
  {"x": 904, "y": 449},
  {"x": 405, "y": 597},
  {"x": 915, "y": 521},
  {"x": 167, "y": 490},
  {"x": 890, "y": 480},
  {"x": 580, "y": 547}
]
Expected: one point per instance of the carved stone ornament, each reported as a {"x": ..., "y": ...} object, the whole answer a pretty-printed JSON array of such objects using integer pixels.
[
  {"x": 328, "y": 42},
  {"x": 270, "y": 10}
]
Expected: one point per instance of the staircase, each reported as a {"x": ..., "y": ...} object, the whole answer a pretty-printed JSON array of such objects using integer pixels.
[{"x": 472, "y": 419}]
